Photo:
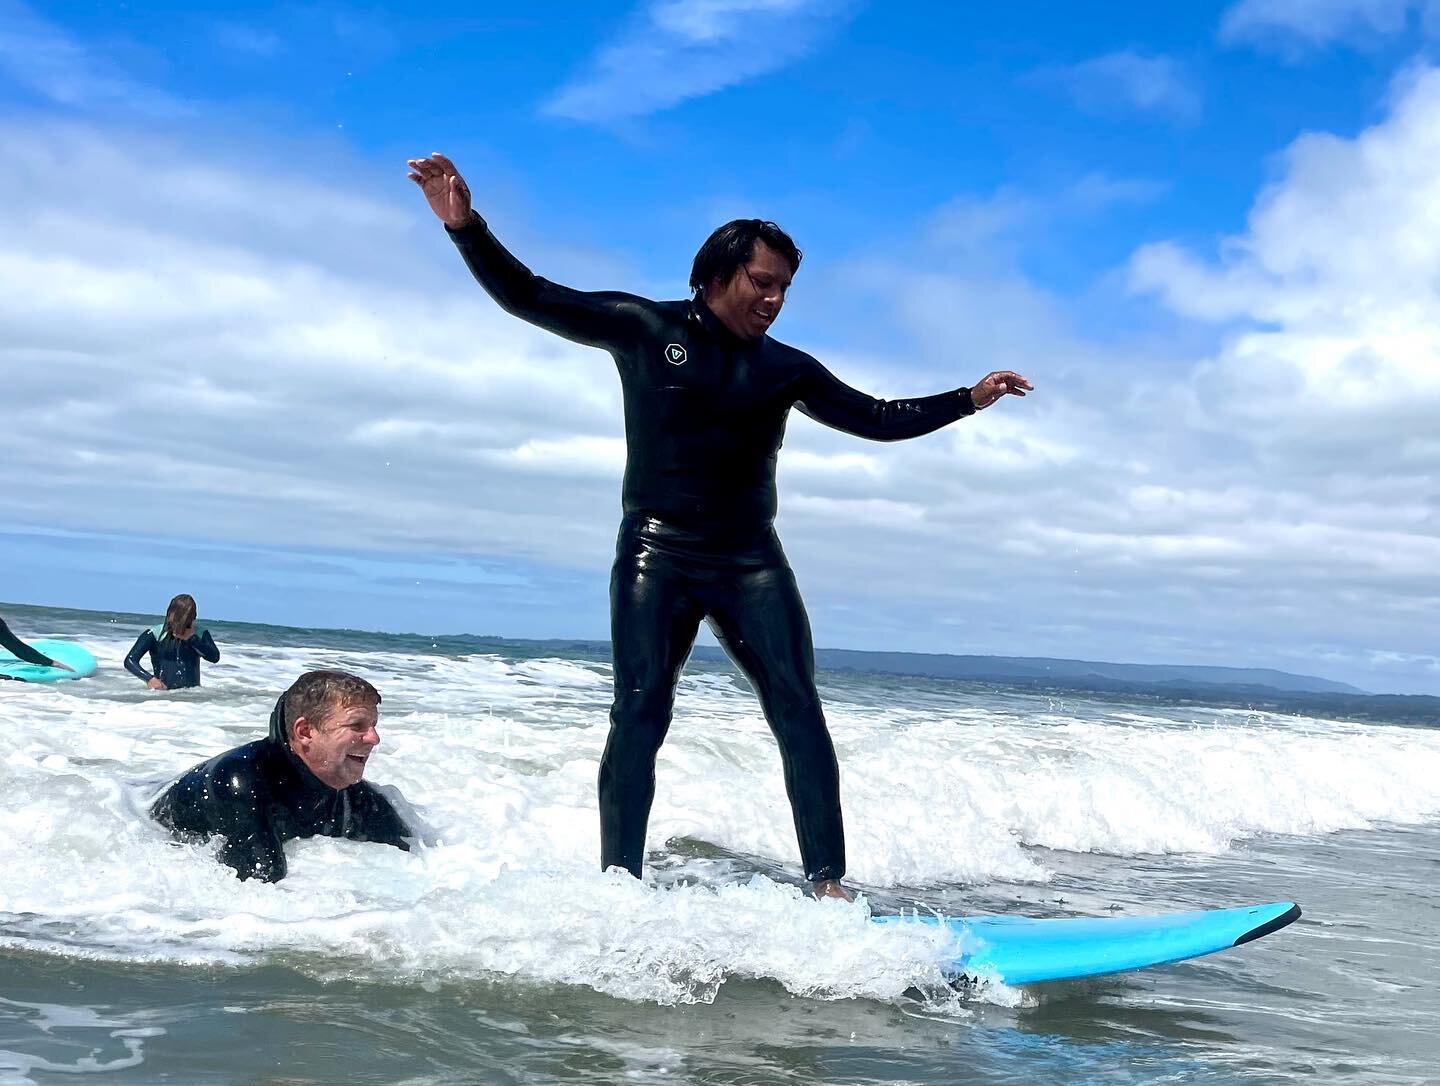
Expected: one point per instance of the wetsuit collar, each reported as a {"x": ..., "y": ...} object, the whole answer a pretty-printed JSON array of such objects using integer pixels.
[
  {"x": 706, "y": 318},
  {"x": 277, "y": 724}
]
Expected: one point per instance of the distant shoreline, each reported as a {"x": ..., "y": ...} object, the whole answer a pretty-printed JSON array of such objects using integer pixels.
[{"x": 1259, "y": 689}]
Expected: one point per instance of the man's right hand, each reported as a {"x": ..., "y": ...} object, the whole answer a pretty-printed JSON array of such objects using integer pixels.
[
  {"x": 155, "y": 684},
  {"x": 444, "y": 189}
]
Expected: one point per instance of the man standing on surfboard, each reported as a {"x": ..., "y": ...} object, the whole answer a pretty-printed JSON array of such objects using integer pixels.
[{"x": 706, "y": 393}]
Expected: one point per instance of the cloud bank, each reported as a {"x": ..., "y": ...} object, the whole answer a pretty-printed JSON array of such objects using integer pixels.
[{"x": 213, "y": 350}]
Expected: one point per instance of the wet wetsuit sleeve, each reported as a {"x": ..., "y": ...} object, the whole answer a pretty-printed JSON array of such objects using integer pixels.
[
  {"x": 375, "y": 819},
  {"x": 205, "y": 645},
  {"x": 252, "y": 844},
  {"x": 829, "y": 400},
  {"x": 21, "y": 651},
  {"x": 227, "y": 798},
  {"x": 607, "y": 319},
  {"x": 255, "y": 854},
  {"x": 143, "y": 644}
]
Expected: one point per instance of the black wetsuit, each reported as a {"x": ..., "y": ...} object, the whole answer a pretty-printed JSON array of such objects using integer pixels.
[
  {"x": 260, "y": 795},
  {"x": 176, "y": 662},
  {"x": 21, "y": 651},
  {"x": 705, "y": 416}
]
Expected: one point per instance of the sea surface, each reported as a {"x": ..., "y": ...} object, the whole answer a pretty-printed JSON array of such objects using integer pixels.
[{"x": 498, "y": 953}]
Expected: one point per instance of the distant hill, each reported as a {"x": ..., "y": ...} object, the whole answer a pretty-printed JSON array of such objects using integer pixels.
[
  {"x": 1067, "y": 672},
  {"x": 1259, "y": 689},
  {"x": 1239, "y": 687},
  {"x": 1018, "y": 671}
]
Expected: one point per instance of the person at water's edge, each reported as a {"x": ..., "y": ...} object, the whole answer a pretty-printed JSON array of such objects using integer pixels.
[
  {"x": 301, "y": 780},
  {"x": 174, "y": 647},
  {"x": 706, "y": 395}
]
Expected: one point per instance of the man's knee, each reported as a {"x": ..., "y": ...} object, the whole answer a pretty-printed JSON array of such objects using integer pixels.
[
  {"x": 795, "y": 708},
  {"x": 639, "y": 719},
  {"x": 643, "y": 707}
]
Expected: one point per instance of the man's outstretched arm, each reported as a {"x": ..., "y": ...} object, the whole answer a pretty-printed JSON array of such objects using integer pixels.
[
  {"x": 829, "y": 400},
  {"x": 21, "y": 651},
  {"x": 596, "y": 319}
]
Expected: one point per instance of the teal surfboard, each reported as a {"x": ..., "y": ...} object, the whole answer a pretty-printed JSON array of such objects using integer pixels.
[
  {"x": 67, "y": 652},
  {"x": 1021, "y": 950}
]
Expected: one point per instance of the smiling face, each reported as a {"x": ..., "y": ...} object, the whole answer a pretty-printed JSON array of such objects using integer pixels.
[
  {"x": 749, "y": 303},
  {"x": 337, "y": 749}
]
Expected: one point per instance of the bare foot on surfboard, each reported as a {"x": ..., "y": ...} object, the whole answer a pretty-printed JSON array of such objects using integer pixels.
[{"x": 831, "y": 888}]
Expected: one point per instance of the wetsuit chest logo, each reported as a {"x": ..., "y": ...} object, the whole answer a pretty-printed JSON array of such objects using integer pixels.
[{"x": 675, "y": 354}]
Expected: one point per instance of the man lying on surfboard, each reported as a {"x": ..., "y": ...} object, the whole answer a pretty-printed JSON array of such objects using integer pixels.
[{"x": 301, "y": 780}]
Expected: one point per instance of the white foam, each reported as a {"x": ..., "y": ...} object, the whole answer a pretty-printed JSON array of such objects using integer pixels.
[{"x": 500, "y": 758}]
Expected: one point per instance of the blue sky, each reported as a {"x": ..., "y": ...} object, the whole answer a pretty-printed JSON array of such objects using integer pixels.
[{"x": 239, "y": 358}]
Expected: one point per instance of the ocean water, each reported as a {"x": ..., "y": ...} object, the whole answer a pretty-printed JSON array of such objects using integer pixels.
[{"x": 498, "y": 953}]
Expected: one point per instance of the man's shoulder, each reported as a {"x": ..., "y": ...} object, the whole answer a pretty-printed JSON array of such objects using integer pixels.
[
  {"x": 778, "y": 352},
  {"x": 238, "y": 772},
  {"x": 659, "y": 317},
  {"x": 377, "y": 818},
  {"x": 363, "y": 794},
  {"x": 210, "y": 797}
]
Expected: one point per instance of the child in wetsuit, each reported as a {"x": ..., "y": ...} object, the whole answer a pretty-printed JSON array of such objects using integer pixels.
[{"x": 175, "y": 649}]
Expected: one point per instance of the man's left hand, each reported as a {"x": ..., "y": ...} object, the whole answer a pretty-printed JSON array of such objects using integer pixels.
[{"x": 994, "y": 385}]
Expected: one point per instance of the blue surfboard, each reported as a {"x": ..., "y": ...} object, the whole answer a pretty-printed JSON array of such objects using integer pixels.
[
  {"x": 1021, "y": 950},
  {"x": 67, "y": 652}
]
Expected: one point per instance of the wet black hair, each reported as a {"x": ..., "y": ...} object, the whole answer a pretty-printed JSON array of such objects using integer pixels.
[{"x": 730, "y": 246}]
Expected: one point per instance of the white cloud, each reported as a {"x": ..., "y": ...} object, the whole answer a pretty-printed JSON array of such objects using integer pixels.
[
  {"x": 971, "y": 226},
  {"x": 270, "y": 366},
  {"x": 990, "y": 228},
  {"x": 674, "y": 50},
  {"x": 1326, "y": 390},
  {"x": 1274, "y": 501},
  {"x": 1096, "y": 192},
  {"x": 1127, "y": 81},
  {"x": 315, "y": 369},
  {"x": 1336, "y": 278},
  {"x": 600, "y": 457},
  {"x": 1292, "y": 24},
  {"x": 41, "y": 56}
]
